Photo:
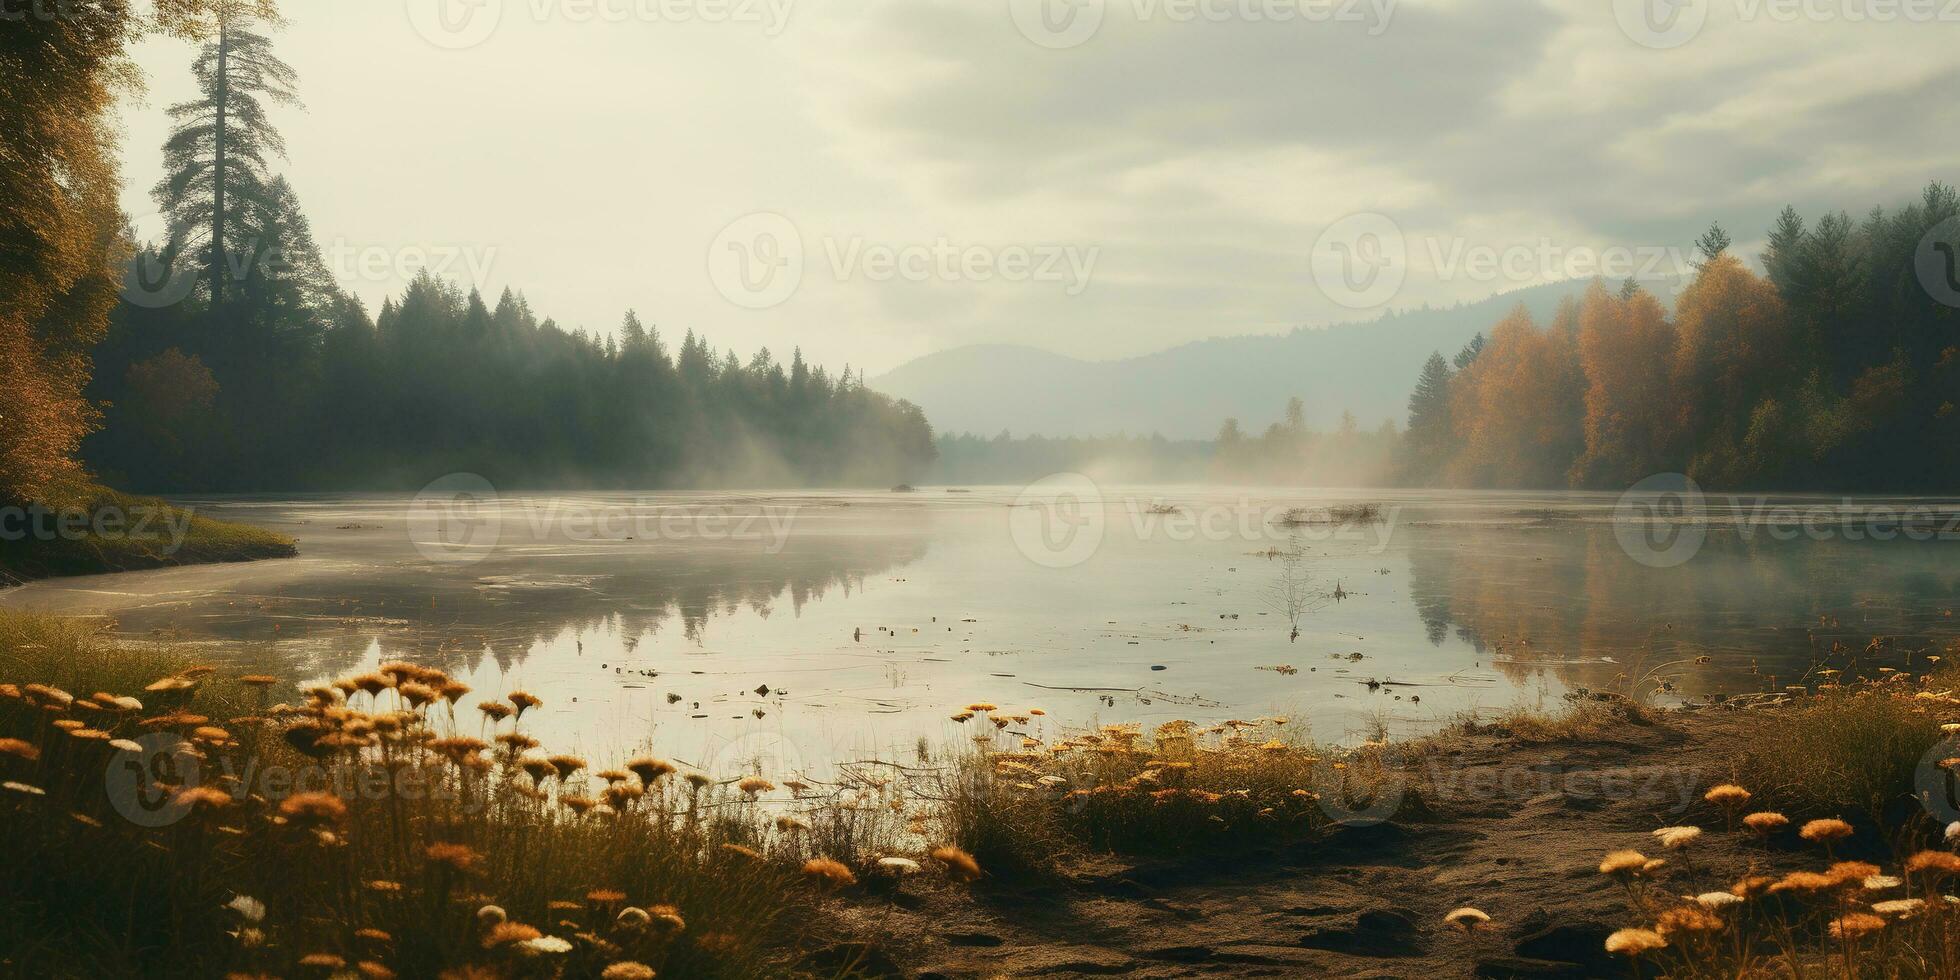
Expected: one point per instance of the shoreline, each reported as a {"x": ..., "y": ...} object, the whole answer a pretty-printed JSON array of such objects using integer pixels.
[{"x": 116, "y": 532}]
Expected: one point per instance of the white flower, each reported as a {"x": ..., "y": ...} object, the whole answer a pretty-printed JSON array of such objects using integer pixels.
[
  {"x": 251, "y": 908},
  {"x": 898, "y": 865},
  {"x": 1879, "y": 883},
  {"x": 1899, "y": 906},
  {"x": 1715, "y": 900},
  {"x": 546, "y": 946},
  {"x": 490, "y": 915},
  {"x": 1953, "y": 831},
  {"x": 24, "y": 788},
  {"x": 1673, "y": 838}
]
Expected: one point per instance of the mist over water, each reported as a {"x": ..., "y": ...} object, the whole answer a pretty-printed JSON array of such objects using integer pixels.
[{"x": 797, "y": 629}]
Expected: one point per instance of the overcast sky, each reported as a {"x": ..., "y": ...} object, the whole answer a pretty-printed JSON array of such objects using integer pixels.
[{"x": 879, "y": 179}]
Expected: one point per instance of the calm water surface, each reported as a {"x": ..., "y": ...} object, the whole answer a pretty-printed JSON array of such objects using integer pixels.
[{"x": 660, "y": 620}]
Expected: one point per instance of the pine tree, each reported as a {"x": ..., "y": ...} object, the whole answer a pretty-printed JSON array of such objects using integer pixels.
[{"x": 217, "y": 187}]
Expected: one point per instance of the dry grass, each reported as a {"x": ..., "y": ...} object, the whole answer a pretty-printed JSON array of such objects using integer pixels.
[
  {"x": 1848, "y": 750},
  {"x": 1180, "y": 789},
  {"x": 1577, "y": 721},
  {"x": 381, "y": 821}
]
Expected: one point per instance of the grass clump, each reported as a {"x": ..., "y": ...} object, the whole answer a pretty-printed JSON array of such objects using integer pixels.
[
  {"x": 1848, "y": 749},
  {"x": 100, "y": 530},
  {"x": 1179, "y": 789},
  {"x": 167, "y": 818},
  {"x": 1577, "y": 721}
]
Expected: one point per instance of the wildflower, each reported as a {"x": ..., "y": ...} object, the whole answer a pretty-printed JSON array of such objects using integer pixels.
[
  {"x": 578, "y": 804},
  {"x": 19, "y": 749},
  {"x": 746, "y": 852},
  {"x": 1879, "y": 883},
  {"x": 523, "y": 700},
  {"x": 322, "y": 961},
  {"x": 668, "y": 918},
  {"x": 251, "y": 909},
  {"x": 1716, "y": 900},
  {"x": 566, "y": 765},
  {"x": 1686, "y": 918},
  {"x": 545, "y": 946},
  {"x": 1901, "y": 907},
  {"x": 1850, "y": 871},
  {"x": 1824, "y": 831},
  {"x": 1727, "y": 795},
  {"x": 1766, "y": 822},
  {"x": 627, "y": 970},
  {"x": 1804, "y": 881},
  {"x": 495, "y": 710},
  {"x": 504, "y": 933},
  {"x": 167, "y": 684},
  {"x": 1752, "y": 885},
  {"x": 605, "y": 896},
  {"x": 698, "y": 781},
  {"x": 827, "y": 872},
  {"x": 1466, "y": 918},
  {"x": 1622, "y": 863},
  {"x": 1935, "y": 861},
  {"x": 384, "y": 886},
  {"x": 537, "y": 767},
  {"x": 313, "y": 808},
  {"x": 258, "y": 680},
  {"x": 958, "y": 863},
  {"x": 370, "y": 970},
  {"x": 1853, "y": 925},
  {"x": 898, "y": 865},
  {"x": 458, "y": 857},
  {"x": 755, "y": 784},
  {"x": 373, "y": 935},
  {"x": 491, "y": 915},
  {"x": 790, "y": 824},
  {"x": 1675, "y": 838},
  {"x": 632, "y": 917},
  {"x": 1633, "y": 942},
  {"x": 417, "y": 695},
  {"x": 981, "y": 707},
  {"x": 649, "y": 769},
  {"x": 1953, "y": 832}
]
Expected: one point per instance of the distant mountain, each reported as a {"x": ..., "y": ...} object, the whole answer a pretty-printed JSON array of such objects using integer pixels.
[{"x": 1185, "y": 392}]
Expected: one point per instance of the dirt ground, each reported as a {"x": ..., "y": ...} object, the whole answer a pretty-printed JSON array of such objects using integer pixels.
[{"x": 1514, "y": 829}]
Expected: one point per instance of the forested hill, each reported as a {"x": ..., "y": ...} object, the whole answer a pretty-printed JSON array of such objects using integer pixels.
[
  {"x": 441, "y": 382},
  {"x": 1182, "y": 393},
  {"x": 234, "y": 362}
]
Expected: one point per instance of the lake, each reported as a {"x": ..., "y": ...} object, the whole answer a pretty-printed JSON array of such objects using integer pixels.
[{"x": 798, "y": 629}]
